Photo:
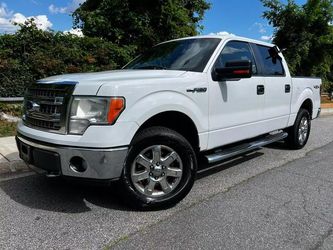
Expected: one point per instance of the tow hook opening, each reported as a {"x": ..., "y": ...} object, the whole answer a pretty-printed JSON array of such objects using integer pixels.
[{"x": 78, "y": 164}]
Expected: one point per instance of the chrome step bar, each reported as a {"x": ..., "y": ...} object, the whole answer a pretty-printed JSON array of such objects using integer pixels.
[{"x": 224, "y": 154}]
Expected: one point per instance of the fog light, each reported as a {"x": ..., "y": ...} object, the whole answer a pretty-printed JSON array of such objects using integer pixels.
[{"x": 78, "y": 164}]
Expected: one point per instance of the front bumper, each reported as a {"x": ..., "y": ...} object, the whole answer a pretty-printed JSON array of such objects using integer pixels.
[{"x": 55, "y": 160}]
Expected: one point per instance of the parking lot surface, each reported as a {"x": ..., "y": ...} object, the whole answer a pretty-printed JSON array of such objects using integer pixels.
[{"x": 271, "y": 198}]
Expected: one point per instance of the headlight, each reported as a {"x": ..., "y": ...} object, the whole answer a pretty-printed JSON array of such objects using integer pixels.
[{"x": 86, "y": 111}]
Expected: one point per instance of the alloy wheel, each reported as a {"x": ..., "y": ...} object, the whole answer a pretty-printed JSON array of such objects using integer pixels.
[{"x": 156, "y": 171}]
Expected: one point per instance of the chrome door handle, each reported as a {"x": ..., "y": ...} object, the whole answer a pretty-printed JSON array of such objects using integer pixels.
[
  {"x": 260, "y": 89},
  {"x": 287, "y": 88}
]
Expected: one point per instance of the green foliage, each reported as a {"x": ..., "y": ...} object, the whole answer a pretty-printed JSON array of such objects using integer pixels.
[
  {"x": 7, "y": 128},
  {"x": 306, "y": 34},
  {"x": 32, "y": 54},
  {"x": 115, "y": 30},
  {"x": 142, "y": 23},
  {"x": 11, "y": 109}
]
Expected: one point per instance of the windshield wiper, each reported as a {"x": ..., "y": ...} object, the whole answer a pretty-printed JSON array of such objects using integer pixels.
[{"x": 150, "y": 67}]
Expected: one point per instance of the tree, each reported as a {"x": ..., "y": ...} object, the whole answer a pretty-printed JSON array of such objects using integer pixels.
[
  {"x": 306, "y": 33},
  {"x": 142, "y": 23}
]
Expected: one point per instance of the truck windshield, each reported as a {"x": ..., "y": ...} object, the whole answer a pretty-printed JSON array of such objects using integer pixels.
[{"x": 188, "y": 55}]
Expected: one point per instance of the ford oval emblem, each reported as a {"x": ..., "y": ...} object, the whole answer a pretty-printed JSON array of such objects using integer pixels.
[{"x": 33, "y": 106}]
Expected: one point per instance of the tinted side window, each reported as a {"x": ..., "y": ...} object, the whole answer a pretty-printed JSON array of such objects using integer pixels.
[
  {"x": 235, "y": 51},
  {"x": 272, "y": 63}
]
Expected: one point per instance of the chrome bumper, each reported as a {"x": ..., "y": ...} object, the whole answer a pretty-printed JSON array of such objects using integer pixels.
[{"x": 98, "y": 163}]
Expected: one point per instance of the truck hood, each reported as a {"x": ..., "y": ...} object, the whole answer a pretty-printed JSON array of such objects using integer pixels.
[{"x": 89, "y": 83}]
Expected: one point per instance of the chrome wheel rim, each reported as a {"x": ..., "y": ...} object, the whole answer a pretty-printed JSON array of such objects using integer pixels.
[
  {"x": 156, "y": 171},
  {"x": 303, "y": 130}
]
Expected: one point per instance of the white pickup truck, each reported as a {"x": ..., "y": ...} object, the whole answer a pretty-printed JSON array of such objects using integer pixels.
[{"x": 146, "y": 125}]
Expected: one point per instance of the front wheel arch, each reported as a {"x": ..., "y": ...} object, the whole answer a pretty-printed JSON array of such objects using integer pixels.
[{"x": 177, "y": 121}]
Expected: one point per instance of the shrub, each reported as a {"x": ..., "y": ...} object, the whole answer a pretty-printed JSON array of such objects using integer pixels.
[
  {"x": 31, "y": 54},
  {"x": 11, "y": 109}
]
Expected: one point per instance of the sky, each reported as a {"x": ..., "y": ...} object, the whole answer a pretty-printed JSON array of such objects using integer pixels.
[{"x": 238, "y": 17}]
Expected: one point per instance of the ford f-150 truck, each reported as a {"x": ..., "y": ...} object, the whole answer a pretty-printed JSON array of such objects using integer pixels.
[{"x": 212, "y": 97}]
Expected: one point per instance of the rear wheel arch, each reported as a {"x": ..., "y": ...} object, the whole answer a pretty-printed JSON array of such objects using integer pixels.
[{"x": 307, "y": 105}]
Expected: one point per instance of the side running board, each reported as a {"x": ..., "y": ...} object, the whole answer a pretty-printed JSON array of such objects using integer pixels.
[{"x": 244, "y": 148}]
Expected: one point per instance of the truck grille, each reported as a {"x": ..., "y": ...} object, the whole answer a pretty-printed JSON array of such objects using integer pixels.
[{"x": 45, "y": 106}]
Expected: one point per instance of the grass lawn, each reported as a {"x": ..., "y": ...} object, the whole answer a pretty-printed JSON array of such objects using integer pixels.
[
  {"x": 324, "y": 100},
  {"x": 7, "y": 128},
  {"x": 11, "y": 109}
]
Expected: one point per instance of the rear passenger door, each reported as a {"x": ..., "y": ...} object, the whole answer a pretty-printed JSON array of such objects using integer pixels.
[{"x": 277, "y": 88}]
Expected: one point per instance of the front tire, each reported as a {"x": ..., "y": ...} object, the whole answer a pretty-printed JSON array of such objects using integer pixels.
[
  {"x": 298, "y": 134},
  {"x": 160, "y": 169}
]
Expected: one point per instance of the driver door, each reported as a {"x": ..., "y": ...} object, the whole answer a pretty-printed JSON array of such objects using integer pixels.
[{"x": 235, "y": 105}]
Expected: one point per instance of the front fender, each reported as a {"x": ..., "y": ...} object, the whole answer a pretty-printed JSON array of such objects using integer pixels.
[{"x": 162, "y": 101}]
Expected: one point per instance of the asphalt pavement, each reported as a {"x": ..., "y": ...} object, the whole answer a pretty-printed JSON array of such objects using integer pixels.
[{"x": 270, "y": 199}]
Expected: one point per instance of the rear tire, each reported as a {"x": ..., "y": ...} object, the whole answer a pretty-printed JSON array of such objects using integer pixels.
[
  {"x": 298, "y": 134},
  {"x": 159, "y": 170}
]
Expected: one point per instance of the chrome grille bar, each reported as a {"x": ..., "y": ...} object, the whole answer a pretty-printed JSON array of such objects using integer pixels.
[{"x": 45, "y": 106}]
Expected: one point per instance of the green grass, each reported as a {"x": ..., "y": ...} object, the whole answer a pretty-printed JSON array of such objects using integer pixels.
[
  {"x": 325, "y": 100},
  {"x": 7, "y": 128},
  {"x": 11, "y": 109}
]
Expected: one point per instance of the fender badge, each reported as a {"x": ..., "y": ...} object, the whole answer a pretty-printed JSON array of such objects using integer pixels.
[{"x": 198, "y": 90}]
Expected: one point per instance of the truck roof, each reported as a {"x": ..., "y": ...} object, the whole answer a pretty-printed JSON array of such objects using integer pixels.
[{"x": 226, "y": 37}]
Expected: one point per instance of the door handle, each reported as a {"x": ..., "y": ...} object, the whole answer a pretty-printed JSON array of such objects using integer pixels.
[
  {"x": 287, "y": 88},
  {"x": 260, "y": 89}
]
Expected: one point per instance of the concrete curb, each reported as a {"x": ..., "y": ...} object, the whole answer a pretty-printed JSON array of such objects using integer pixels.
[
  {"x": 11, "y": 99},
  {"x": 328, "y": 111},
  {"x": 10, "y": 161},
  {"x": 14, "y": 167}
]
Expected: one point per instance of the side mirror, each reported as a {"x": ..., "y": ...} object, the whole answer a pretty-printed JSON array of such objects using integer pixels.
[{"x": 233, "y": 70}]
